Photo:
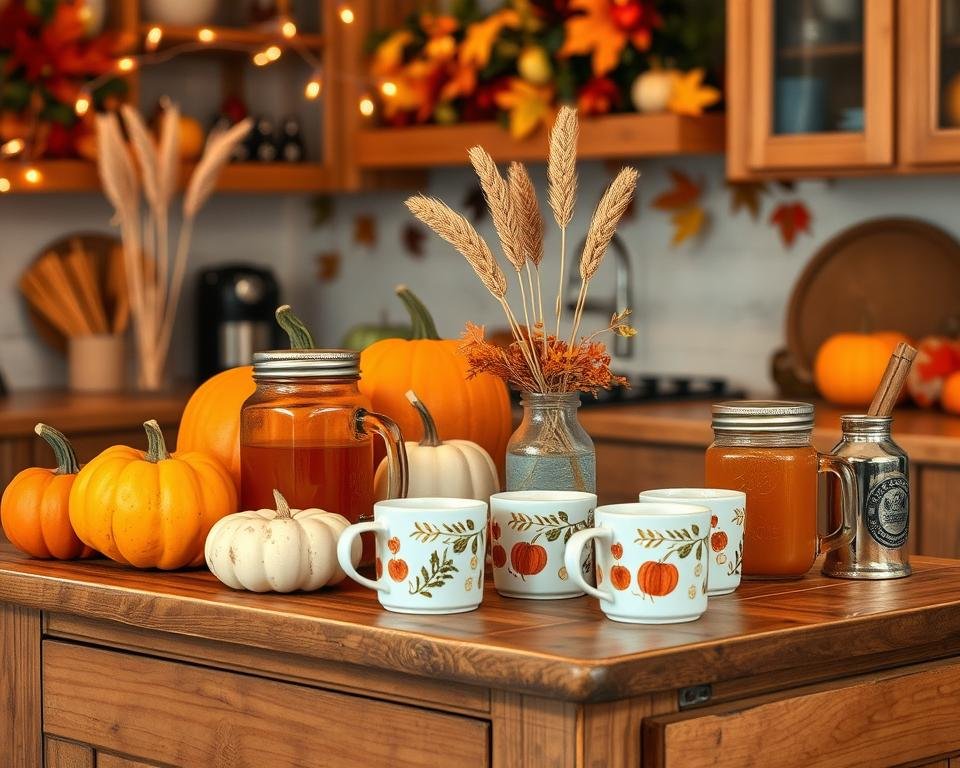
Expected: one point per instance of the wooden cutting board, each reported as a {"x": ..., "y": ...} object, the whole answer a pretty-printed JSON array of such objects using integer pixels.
[{"x": 883, "y": 275}]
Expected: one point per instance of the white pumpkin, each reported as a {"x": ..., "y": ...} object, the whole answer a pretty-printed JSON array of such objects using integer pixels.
[
  {"x": 278, "y": 550},
  {"x": 457, "y": 469},
  {"x": 651, "y": 91}
]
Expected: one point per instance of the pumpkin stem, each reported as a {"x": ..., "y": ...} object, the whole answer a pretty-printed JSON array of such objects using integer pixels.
[
  {"x": 297, "y": 331},
  {"x": 421, "y": 321},
  {"x": 431, "y": 438},
  {"x": 283, "y": 508},
  {"x": 156, "y": 445},
  {"x": 66, "y": 458}
]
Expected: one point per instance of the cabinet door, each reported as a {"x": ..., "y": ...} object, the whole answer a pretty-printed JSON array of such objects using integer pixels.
[
  {"x": 929, "y": 99},
  {"x": 810, "y": 85}
]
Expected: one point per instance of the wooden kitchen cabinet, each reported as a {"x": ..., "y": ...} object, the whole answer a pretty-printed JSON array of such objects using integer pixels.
[
  {"x": 109, "y": 667},
  {"x": 810, "y": 86}
]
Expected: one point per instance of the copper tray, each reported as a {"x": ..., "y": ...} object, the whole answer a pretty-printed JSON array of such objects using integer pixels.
[{"x": 885, "y": 274}]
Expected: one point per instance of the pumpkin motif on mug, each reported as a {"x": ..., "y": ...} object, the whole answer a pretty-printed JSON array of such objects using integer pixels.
[
  {"x": 528, "y": 559},
  {"x": 499, "y": 556},
  {"x": 397, "y": 569},
  {"x": 657, "y": 579},
  {"x": 620, "y": 577},
  {"x": 718, "y": 541}
]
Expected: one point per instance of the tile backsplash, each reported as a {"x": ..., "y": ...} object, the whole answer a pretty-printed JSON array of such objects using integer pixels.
[{"x": 714, "y": 306}]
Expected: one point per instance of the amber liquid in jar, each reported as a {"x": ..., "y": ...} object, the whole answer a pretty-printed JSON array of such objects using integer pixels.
[
  {"x": 780, "y": 533},
  {"x": 336, "y": 478}
]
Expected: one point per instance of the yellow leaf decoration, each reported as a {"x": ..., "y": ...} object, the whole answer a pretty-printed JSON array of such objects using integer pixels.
[
  {"x": 603, "y": 30},
  {"x": 687, "y": 223},
  {"x": 389, "y": 54},
  {"x": 528, "y": 105},
  {"x": 690, "y": 96},
  {"x": 479, "y": 38}
]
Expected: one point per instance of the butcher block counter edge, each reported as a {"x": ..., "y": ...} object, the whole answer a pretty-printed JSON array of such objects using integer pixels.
[
  {"x": 928, "y": 436},
  {"x": 557, "y": 649}
]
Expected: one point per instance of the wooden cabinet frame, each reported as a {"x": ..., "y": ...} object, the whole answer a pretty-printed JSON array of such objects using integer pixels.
[
  {"x": 753, "y": 148},
  {"x": 921, "y": 139}
]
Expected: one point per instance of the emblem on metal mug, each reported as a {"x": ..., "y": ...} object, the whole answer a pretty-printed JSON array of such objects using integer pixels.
[{"x": 887, "y": 509}]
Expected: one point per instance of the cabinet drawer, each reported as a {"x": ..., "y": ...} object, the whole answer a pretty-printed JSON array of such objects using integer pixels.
[
  {"x": 182, "y": 715},
  {"x": 884, "y": 719}
]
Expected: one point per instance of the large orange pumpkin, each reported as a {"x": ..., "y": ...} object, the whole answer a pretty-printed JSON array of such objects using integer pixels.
[
  {"x": 849, "y": 366},
  {"x": 950, "y": 397},
  {"x": 937, "y": 358},
  {"x": 476, "y": 409},
  {"x": 34, "y": 509},
  {"x": 211, "y": 420},
  {"x": 151, "y": 510}
]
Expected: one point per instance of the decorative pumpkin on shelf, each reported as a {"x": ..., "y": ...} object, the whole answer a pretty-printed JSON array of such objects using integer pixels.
[
  {"x": 278, "y": 550},
  {"x": 476, "y": 409},
  {"x": 151, "y": 510},
  {"x": 458, "y": 469},
  {"x": 35, "y": 510},
  {"x": 950, "y": 396},
  {"x": 937, "y": 358},
  {"x": 651, "y": 90},
  {"x": 849, "y": 366}
]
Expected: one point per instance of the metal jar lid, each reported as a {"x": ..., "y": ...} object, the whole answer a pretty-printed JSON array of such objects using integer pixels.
[
  {"x": 862, "y": 424},
  {"x": 762, "y": 416},
  {"x": 306, "y": 364}
]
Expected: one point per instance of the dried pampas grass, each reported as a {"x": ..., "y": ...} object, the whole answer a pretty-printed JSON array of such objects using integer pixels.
[{"x": 153, "y": 296}]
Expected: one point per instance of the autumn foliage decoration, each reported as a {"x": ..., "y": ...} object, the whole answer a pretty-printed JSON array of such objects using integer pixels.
[{"x": 540, "y": 358}]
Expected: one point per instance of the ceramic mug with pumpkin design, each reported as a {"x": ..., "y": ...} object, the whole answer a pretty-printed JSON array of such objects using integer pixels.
[
  {"x": 529, "y": 530},
  {"x": 727, "y": 514},
  {"x": 429, "y": 554},
  {"x": 651, "y": 561}
]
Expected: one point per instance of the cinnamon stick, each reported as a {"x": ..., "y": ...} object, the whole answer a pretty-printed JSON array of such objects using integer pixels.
[{"x": 893, "y": 380}]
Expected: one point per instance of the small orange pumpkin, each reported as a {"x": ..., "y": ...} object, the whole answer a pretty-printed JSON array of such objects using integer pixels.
[
  {"x": 499, "y": 556},
  {"x": 34, "y": 510},
  {"x": 397, "y": 568},
  {"x": 849, "y": 366},
  {"x": 950, "y": 397},
  {"x": 464, "y": 408},
  {"x": 657, "y": 579},
  {"x": 528, "y": 559},
  {"x": 150, "y": 510}
]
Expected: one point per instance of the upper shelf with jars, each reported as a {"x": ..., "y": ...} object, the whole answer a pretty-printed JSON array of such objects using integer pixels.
[
  {"x": 834, "y": 87},
  {"x": 219, "y": 61}
]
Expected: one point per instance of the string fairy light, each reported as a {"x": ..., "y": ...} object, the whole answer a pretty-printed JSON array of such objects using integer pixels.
[
  {"x": 12, "y": 148},
  {"x": 127, "y": 64},
  {"x": 366, "y": 106},
  {"x": 273, "y": 52},
  {"x": 4, "y": 184},
  {"x": 288, "y": 29},
  {"x": 206, "y": 35},
  {"x": 82, "y": 105},
  {"x": 346, "y": 14},
  {"x": 154, "y": 36},
  {"x": 388, "y": 88},
  {"x": 313, "y": 87},
  {"x": 32, "y": 176},
  {"x": 261, "y": 59}
]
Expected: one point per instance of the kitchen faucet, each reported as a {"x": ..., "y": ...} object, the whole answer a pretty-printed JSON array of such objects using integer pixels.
[{"x": 621, "y": 299}]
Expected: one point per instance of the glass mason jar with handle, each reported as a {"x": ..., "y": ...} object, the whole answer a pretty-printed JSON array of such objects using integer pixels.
[
  {"x": 307, "y": 432},
  {"x": 763, "y": 447}
]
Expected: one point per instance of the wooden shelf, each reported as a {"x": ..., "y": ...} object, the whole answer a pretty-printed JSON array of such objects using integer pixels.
[
  {"x": 251, "y": 36},
  {"x": 81, "y": 176},
  {"x": 608, "y": 137},
  {"x": 822, "y": 51}
]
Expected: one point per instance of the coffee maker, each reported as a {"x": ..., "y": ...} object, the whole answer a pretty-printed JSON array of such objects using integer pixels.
[{"x": 235, "y": 312}]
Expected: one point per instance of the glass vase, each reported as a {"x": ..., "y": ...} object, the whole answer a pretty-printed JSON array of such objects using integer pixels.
[{"x": 550, "y": 451}]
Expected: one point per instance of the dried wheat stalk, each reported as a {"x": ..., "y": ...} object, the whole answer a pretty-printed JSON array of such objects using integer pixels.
[
  {"x": 497, "y": 194},
  {"x": 527, "y": 209},
  {"x": 562, "y": 185}
]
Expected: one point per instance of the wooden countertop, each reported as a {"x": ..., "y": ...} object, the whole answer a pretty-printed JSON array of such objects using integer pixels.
[
  {"x": 74, "y": 412},
  {"x": 927, "y": 436},
  {"x": 560, "y": 649}
]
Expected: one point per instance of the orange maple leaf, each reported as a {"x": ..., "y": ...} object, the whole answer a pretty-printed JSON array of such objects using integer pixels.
[
  {"x": 683, "y": 194},
  {"x": 791, "y": 219},
  {"x": 689, "y": 95},
  {"x": 388, "y": 57},
  {"x": 596, "y": 32},
  {"x": 481, "y": 35},
  {"x": 529, "y": 105},
  {"x": 687, "y": 223}
]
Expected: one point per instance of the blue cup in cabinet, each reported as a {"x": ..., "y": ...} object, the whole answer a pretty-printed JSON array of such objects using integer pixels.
[{"x": 800, "y": 105}]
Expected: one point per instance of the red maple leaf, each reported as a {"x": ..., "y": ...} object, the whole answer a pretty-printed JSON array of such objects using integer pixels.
[
  {"x": 937, "y": 359},
  {"x": 791, "y": 219},
  {"x": 683, "y": 193}
]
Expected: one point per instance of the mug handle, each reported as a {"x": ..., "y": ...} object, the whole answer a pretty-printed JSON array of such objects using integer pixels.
[
  {"x": 571, "y": 560},
  {"x": 849, "y": 502},
  {"x": 344, "y": 547}
]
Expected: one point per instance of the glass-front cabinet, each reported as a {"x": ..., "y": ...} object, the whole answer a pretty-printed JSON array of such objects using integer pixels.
[
  {"x": 810, "y": 84},
  {"x": 929, "y": 85}
]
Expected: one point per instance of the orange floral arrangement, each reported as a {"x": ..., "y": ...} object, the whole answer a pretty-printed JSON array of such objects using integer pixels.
[{"x": 536, "y": 360}]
